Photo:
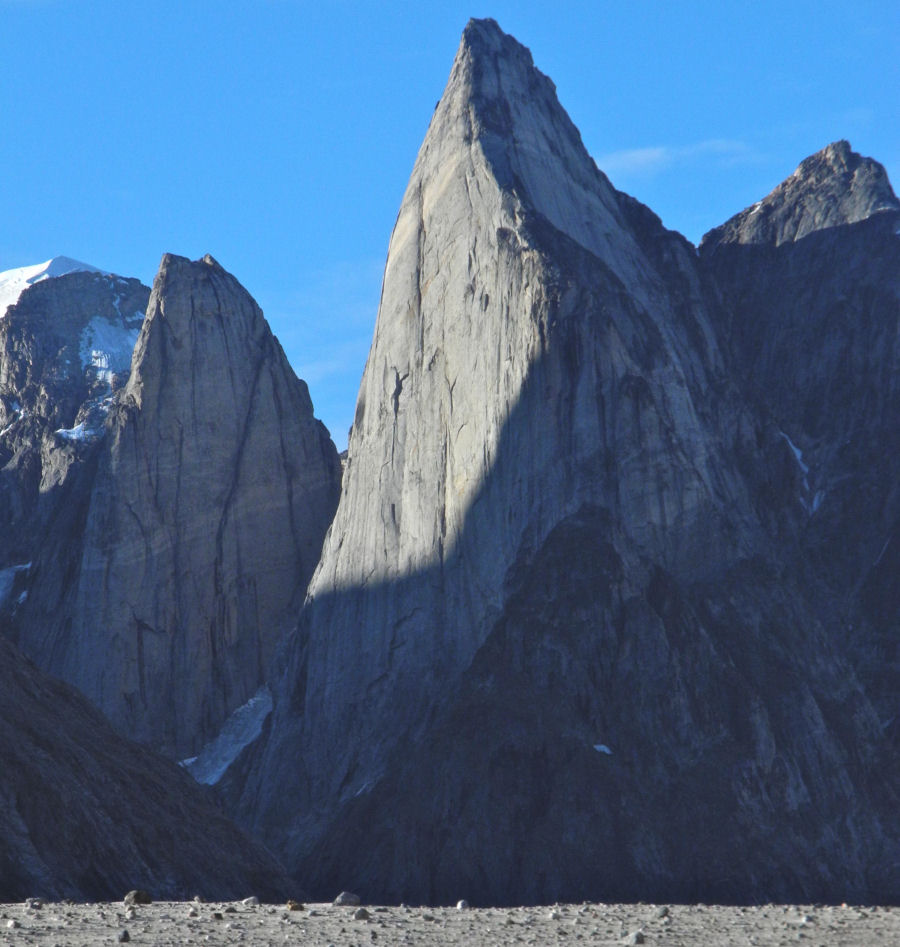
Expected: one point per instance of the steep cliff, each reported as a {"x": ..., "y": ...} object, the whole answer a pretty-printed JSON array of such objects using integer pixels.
[
  {"x": 87, "y": 814},
  {"x": 811, "y": 279},
  {"x": 549, "y": 651},
  {"x": 66, "y": 336},
  {"x": 169, "y": 574}
]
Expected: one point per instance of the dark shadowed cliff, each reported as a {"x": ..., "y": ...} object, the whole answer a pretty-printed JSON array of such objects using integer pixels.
[
  {"x": 554, "y": 648},
  {"x": 86, "y": 814}
]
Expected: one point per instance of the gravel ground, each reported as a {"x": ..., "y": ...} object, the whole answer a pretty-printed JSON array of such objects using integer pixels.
[{"x": 177, "y": 923}]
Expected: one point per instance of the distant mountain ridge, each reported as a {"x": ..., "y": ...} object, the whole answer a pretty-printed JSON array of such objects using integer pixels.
[{"x": 14, "y": 282}]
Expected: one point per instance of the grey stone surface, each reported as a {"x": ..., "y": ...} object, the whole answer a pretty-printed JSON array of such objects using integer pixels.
[
  {"x": 346, "y": 899},
  {"x": 832, "y": 188},
  {"x": 550, "y": 650},
  {"x": 182, "y": 558},
  {"x": 87, "y": 814},
  {"x": 85, "y": 925},
  {"x": 65, "y": 348},
  {"x": 813, "y": 336}
]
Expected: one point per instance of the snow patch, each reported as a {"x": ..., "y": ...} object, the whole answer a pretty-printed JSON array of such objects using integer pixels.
[
  {"x": 811, "y": 502},
  {"x": 18, "y": 414},
  {"x": 8, "y": 577},
  {"x": 107, "y": 346},
  {"x": 798, "y": 454},
  {"x": 78, "y": 433},
  {"x": 14, "y": 282},
  {"x": 238, "y": 731}
]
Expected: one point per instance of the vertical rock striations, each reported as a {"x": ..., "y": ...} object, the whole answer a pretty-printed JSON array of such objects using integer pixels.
[
  {"x": 546, "y": 654},
  {"x": 65, "y": 348},
  {"x": 66, "y": 340},
  {"x": 811, "y": 277},
  {"x": 194, "y": 540}
]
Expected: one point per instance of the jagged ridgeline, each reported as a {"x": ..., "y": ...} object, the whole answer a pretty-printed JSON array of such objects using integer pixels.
[
  {"x": 560, "y": 644},
  {"x": 164, "y": 511}
]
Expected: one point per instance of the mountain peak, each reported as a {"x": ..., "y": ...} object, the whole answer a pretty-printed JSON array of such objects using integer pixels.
[
  {"x": 833, "y": 187},
  {"x": 14, "y": 282},
  {"x": 491, "y": 70},
  {"x": 499, "y": 117},
  {"x": 840, "y": 164},
  {"x": 839, "y": 152},
  {"x": 485, "y": 29},
  {"x": 485, "y": 38}
]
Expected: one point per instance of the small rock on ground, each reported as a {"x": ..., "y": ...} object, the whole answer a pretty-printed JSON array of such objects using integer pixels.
[
  {"x": 138, "y": 896},
  {"x": 347, "y": 898}
]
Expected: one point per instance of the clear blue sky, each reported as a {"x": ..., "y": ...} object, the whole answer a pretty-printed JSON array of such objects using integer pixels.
[{"x": 278, "y": 135}]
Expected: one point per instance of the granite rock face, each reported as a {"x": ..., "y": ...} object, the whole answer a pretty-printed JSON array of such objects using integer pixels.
[
  {"x": 177, "y": 560},
  {"x": 86, "y": 814},
  {"x": 65, "y": 349},
  {"x": 550, "y": 650},
  {"x": 812, "y": 328},
  {"x": 835, "y": 187}
]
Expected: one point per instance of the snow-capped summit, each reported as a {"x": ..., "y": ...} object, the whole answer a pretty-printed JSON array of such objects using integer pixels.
[{"x": 14, "y": 282}]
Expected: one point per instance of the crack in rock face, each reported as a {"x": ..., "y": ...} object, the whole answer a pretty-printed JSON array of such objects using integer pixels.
[
  {"x": 559, "y": 645},
  {"x": 189, "y": 538}
]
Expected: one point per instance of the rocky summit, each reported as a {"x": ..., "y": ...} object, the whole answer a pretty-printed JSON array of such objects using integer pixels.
[
  {"x": 177, "y": 558},
  {"x": 66, "y": 340},
  {"x": 562, "y": 642},
  {"x": 607, "y": 610},
  {"x": 812, "y": 334}
]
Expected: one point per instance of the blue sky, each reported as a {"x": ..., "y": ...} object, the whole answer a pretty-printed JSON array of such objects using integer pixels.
[{"x": 278, "y": 135}]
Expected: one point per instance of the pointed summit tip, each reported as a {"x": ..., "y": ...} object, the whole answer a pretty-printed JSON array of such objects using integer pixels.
[
  {"x": 485, "y": 38},
  {"x": 485, "y": 29},
  {"x": 836, "y": 158},
  {"x": 491, "y": 71},
  {"x": 172, "y": 259},
  {"x": 834, "y": 187},
  {"x": 839, "y": 150}
]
